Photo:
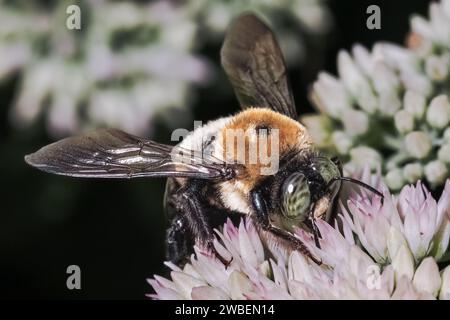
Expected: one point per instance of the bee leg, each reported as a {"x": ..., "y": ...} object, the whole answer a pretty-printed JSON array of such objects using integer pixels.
[
  {"x": 262, "y": 218},
  {"x": 178, "y": 239},
  {"x": 315, "y": 230},
  {"x": 196, "y": 218}
]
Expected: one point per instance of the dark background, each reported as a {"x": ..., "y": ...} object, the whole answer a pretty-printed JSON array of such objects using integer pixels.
[{"x": 114, "y": 230}]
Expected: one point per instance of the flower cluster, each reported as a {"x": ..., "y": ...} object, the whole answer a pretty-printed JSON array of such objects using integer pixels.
[
  {"x": 128, "y": 62},
  {"x": 312, "y": 15},
  {"x": 389, "y": 107},
  {"x": 378, "y": 250}
]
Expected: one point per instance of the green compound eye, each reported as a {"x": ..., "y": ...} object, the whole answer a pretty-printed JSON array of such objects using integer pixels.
[
  {"x": 296, "y": 196},
  {"x": 327, "y": 169}
]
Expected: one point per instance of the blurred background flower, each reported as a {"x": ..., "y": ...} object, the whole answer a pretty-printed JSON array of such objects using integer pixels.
[
  {"x": 389, "y": 106},
  {"x": 130, "y": 61},
  {"x": 378, "y": 250}
]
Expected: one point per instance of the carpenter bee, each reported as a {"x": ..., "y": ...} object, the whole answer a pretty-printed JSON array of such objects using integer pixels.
[{"x": 210, "y": 178}]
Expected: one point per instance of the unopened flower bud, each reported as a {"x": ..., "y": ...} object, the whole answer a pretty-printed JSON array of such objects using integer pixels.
[
  {"x": 355, "y": 122},
  {"x": 436, "y": 172},
  {"x": 341, "y": 141},
  {"x": 404, "y": 121},
  {"x": 438, "y": 113},
  {"x": 364, "y": 156},
  {"x": 446, "y": 135},
  {"x": 403, "y": 263},
  {"x": 394, "y": 179},
  {"x": 444, "y": 294},
  {"x": 395, "y": 241},
  {"x": 444, "y": 153},
  {"x": 389, "y": 103},
  {"x": 329, "y": 95},
  {"x": 415, "y": 81},
  {"x": 414, "y": 103},
  {"x": 318, "y": 127},
  {"x": 412, "y": 172},
  {"x": 418, "y": 144},
  {"x": 427, "y": 277},
  {"x": 436, "y": 67},
  {"x": 239, "y": 285},
  {"x": 363, "y": 59},
  {"x": 384, "y": 78},
  {"x": 355, "y": 82}
]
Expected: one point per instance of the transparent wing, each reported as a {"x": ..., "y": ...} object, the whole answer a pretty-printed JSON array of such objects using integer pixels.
[
  {"x": 110, "y": 153},
  {"x": 255, "y": 66}
]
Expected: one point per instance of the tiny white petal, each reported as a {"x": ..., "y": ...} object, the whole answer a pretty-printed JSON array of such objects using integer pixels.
[
  {"x": 330, "y": 95},
  {"x": 355, "y": 82},
  {"x": 438, "y": 113},
  {"x": 319, "y": 128},
  {"x": 342, "y": 141},
  {"x": 355, "y": 122},
  {"x": 442, "y": 239},
  {"x": 427, "y": 277},
  {"x": 418, "y": 144},
  {"x": 185, "y": 283},
  {"x": 413, "y": 172},
  {"x": 395, "y": 56},
  {"x": 389, "y": 103},
  {"x": 439, "y": 24},
  {"x": 365, "y": 156},
  {"x": 403, "y": 263},
  {"x": 208, "y": 293},
  {"x": 415, "y": 81},
  {"x": 298, "y": 268},
  {"x": 414, "y": 103},
  {"x": 422, "y": 27},
  {"x": 395, "y": 241},
  {"x": 444, "y": 202},
  {"x": 394, "y": 179},
  {"x": 404, "y": 290},
  {"x": 444, "y": 153},
  {"x": 363, "y": 59},
  {"x": 265, "y": 269},
  {"x": 279, "y": 274},
  {"x": 247, "y": 251},
  {"x": 404, "y": 121},
  {"x": 239, "y": 285},
  {"x": 384, "y": 78},
  {"x": 437, "y": 67},
  {"x": 444, "y": 294},
  {"x": 446, "y": 135},
  {"x": 436, "y": 172}
]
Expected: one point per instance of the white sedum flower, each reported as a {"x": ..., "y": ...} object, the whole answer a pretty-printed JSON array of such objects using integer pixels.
[
  {"x": 404, "y": 121},
  {"x": 382, "y": 250},
  {"x": 436, "y": 172},
  {"x": 398, "y": 103},
  {"x": 418, "y": 144},
  {"x": 137, "y": 59},
  {"x": 121, "y": 47},
  {"x": 438, "y": 113}
]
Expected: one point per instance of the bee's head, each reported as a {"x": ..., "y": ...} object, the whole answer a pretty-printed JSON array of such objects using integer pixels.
[{"x": 309, "y": 191}]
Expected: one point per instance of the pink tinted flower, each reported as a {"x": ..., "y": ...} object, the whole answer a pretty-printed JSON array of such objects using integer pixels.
[{"x": 375, "y": 250}]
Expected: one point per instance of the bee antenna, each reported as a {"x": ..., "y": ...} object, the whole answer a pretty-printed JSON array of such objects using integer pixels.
[{"x": 359, "y": 183}]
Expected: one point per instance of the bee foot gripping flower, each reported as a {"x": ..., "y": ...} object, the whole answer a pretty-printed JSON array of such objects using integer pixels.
[{"x": 391, "y": 249}]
